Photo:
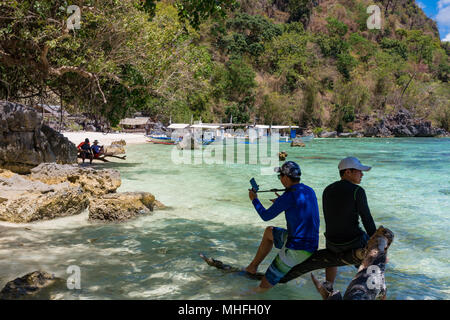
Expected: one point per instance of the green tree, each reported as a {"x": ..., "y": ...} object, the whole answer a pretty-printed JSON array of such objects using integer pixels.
[
  {"x": 194, "y": 11},
  {"x": 336, "y": 27},
  {"x": 300, "y": 10},
  {"x": 240, "y": 80},
  {"x": 345, "y": 64},
  {"x": 334, "y": 44},
  {"x": 248, "y": 34},
  {"x": 394, "y": 46}
]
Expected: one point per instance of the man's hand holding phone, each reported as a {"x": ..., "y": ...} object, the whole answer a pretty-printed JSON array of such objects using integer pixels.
[{"x": 252, "y": 194}]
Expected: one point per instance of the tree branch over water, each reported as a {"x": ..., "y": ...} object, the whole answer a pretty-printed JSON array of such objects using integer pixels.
[{"x": 119, "y": 48}]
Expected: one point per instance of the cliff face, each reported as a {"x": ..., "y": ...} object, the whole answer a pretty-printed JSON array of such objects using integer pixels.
[
  {"x": 25, "y": 142},
  {"x": 327, "y": 67},
  {"x": 408, "y": 15},
  {"x": 404, "y": 14}
]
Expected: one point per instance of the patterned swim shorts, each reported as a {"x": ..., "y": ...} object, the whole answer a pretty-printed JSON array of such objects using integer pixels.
[{"x": 286, "y": 259}]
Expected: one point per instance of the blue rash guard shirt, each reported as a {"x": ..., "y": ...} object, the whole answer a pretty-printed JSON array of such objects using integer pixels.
[
  {"x": 302, "y": 216},
  {"x": 96, "y": 148}
]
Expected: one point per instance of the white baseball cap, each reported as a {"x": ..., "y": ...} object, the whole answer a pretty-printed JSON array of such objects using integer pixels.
[{"x": 352, "y": 163}]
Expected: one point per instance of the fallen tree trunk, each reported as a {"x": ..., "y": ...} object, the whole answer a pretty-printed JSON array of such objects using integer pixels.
[{"x": 369, "y": 282}]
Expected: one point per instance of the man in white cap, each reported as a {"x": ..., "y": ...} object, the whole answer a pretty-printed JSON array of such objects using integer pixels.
[{"x": 344, "y": 201}]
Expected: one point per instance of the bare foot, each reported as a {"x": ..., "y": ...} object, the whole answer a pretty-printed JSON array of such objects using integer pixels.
[
  {"x": 323, "y": 292},
  {"x": 251, "y": 270}
]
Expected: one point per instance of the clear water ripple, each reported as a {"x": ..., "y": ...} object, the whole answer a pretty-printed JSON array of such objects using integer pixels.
[{"x": 156, "y": 256}]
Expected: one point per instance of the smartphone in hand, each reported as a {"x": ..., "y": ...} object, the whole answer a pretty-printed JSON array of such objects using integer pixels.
[{"x": 255, "y": 186}]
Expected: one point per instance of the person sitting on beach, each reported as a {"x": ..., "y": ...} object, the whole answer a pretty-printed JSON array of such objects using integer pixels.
[
  {"x": 344, "y": 201},
  {"x": 300, "y": 240},
  {"x": 96, "y": 149},
  {"x": 85, "y": 150}
]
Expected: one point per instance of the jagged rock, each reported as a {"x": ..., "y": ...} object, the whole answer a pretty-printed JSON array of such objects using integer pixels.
[
  {"x": 26, "y": 201},
  {"x": 28, "y": 285},
  {"x": 114, "y": 149},
  {"x": 326, "y": 134},
  {"x": 25, "y": 142},
  {"x": 401, "y": 124},
  {"x": 6, "y": 173},
  {"x": 297, "y": 142},
  {"x": 121, "y": 206},
  {"x": 90, "y": 127},
  {"x": 402, "y": 131},
  {"x": 45, "y": 206},
  {"x": 282, "y": 155},
  {"x": 96, "y": 182},
  {"x": 53, "y": 191},
  {"x": 377, "y": 130},
  {"x": 158, "y": 205},
  {"x": 119, "y": 142}
]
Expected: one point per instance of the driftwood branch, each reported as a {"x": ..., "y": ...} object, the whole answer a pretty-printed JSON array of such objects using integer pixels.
[
  {"x": 118, "y": 157},
  {"x": 369, "y": 283}
]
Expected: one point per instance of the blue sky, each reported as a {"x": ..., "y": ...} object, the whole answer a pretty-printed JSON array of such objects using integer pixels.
[{"x": 439, "y": 11}]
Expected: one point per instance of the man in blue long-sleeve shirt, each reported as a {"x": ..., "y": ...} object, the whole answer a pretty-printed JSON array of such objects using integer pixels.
[{"x": 301, "y": 238}]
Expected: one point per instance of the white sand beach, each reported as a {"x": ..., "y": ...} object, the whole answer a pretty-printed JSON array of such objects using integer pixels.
[{"x": 104, "y": 139}]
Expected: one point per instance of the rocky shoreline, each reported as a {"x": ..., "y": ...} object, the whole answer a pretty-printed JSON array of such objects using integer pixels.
[
  {"x": 402, "y": 124},
  {"x": 40, "y": 180},
  {"x": 52, "y": 191}
]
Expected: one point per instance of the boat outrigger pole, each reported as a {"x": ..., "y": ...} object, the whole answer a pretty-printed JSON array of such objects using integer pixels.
[{"x": 272, "y": 190}]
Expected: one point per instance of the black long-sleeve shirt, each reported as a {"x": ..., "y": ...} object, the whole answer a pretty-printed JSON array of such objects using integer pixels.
[{"x": 343, "y": 204}]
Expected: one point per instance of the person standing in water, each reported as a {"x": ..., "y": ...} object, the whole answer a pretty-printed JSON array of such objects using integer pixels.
[
  {"x": 301, "y": 238},
  {"x": 344, "y": 202}
]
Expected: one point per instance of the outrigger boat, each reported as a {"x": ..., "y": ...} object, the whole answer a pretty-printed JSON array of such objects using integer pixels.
[
  {"x": 161, "y": 138},
  {"x": 210, "y": 133}
]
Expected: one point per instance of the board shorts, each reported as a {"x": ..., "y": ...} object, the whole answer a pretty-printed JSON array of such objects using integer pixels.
[{"x": 286, "y": 259}]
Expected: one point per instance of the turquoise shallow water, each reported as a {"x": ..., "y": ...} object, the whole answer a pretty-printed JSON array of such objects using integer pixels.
[{"x": 156, "y": 257}]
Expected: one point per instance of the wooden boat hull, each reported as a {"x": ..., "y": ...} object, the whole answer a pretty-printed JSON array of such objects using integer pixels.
[{"x": 160, "y": 140}]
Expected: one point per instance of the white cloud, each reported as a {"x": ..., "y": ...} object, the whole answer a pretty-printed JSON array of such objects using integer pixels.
[
  {"x": 443, "y": 16},
  {"x": 447, "y": 38},
  {"x": 421, "y": 5},
  {"x": 443, "y": 3}
]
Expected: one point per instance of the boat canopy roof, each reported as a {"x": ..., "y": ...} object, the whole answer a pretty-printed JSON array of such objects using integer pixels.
[
  {"x": 205, "y": 126},
  {"x": 284, "y": 127},
  {"x": 264, "y": 126},
  {"x": 178, "y": 126}
]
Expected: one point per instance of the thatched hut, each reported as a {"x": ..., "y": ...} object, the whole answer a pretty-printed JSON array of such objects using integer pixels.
[{"x": 138, "y": 124}]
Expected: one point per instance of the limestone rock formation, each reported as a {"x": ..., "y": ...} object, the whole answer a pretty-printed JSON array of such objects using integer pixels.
[
  {"x": 114, "y": 149},
  {"x": 28, "y": 285},
  {"x": 6, "y": 173},
  {"x": 96, "y": 182},
  {"x": 401, "y": 124},
  {"x": 297, "y": 142},
  {"x": 121, "y": 206},
  {"x": 282, "y": 155},
  {"x": 24, "y": 201},
  {"x": 25, "y": 142},
  {"x": 52, "y": 191},
  {"x": 119, "y": 142},
  {"x": 326, "y": 134},
  {"x": 350, "y": 134}
]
